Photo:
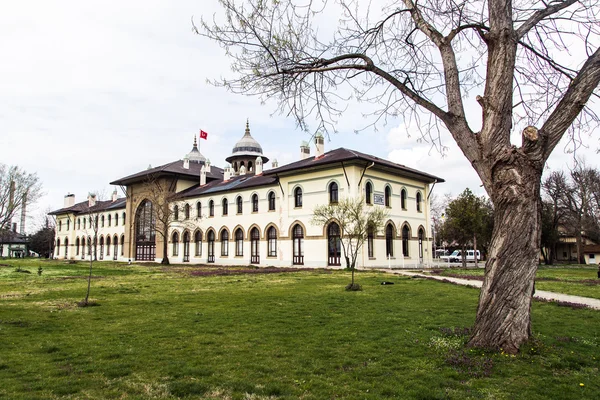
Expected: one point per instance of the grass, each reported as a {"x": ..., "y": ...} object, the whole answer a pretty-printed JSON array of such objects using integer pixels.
[
  {"x": 167, "y": 333},
  {"x": 577, "y": 280}
]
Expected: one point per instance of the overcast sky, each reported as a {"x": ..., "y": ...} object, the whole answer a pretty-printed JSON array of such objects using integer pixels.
[{"x": 91, "y": 91}]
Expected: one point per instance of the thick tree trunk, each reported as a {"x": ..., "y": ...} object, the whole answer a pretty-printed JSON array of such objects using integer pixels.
[{"x": 503, "y": 315}]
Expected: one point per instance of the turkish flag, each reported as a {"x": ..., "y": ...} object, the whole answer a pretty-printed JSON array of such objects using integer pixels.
[{"x": 203, "y": 135}]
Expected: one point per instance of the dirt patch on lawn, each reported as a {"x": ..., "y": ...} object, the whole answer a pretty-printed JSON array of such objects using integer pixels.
[{"x": 225, "y": 270}]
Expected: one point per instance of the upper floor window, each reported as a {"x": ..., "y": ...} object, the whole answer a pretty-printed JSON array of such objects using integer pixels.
[
  {"x": 271, "y": 201},
  {"x": 102, "y": 221},
  {"x": 255, "y": 203},
  {"x": 109, "y": 217},
  {"x": 388, "y": 196},
  {"x": 116, "y": 219},
  {"x": 238, "y": 202},
  {"x": 419, "y": 200},
  {"x": 59, "y": 226},
  {"x": 199, "y": 210},
  {"x": 369, "y": 193},
  {"x": 123, "y": 215},
  {"x": 78, "y": 223},
  {"x": 68, "y": 224},
  {"x": 211, "y": 208},
  {"x": 176, "y": 213},
  {"x": 333, "y": 193},
  {"x": 84, "y": 223},
  {"x": 186, "y": 211},
  {"x": 298, "y": 197},
  {"x": 225, "y": 206},
  {"x": 403, "y": 199}
]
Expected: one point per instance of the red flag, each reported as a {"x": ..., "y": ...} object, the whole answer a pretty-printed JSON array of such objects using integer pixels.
[{"x": 203, "y": 135}]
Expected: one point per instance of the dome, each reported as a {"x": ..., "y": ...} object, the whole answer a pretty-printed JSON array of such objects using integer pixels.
[
  {"x": 246, "y": 147},
  {"x": 195, "y": 155}
]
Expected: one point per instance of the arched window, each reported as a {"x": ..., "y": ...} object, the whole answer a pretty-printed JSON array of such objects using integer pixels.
[
  {"x": 116, "y": 219},
  {"x": 271, "y": 201},
  {"x": 123, "y": 216},
  {"x": 224, "y": 243},
  {"x": 84, "y": 219},
  {"x": 403, "y": 199},
  {"x": 405, "y": 237},
  {"x": 116, "y": 245},
  {"x": 186, "y": 211},
  {"x": 389, "y": 240},
  {"x": 68, "y": 224},
  {"x": 145, "y": 231},
  {"x": 211, "y": 246},
  {"x": 186, "y": 244},
  {"x": 122, "y": 245},
  {"x": 333, "y": 244},
  {"x": 225, "y": 206},
  {"x": 255, "y": 203},
  {"x": 333, "y": 193},
  {"x": 239, "y": 242},
  {"x": 77, "y": 246},
  {"x": 370, "y": 244},
  {"x": 66, "y": 247},
  {"x": 198, "y": 241},
  {"x": 59, "y": 226},
  {"x": 369, "y": 193},
  {"x": 199, "y": 210},
  {"x": 102, "y": 247},
  {"x": 238, "y": 202},
  {"x": 211, "y": 208},
  {"x": 272, "y": 242},
  {"x": 298, "y": 238},
  {"x": 109, "y": 220},
  {"x": 421, "y": 236},
  {"x": 298, "y": 197},
  {"x": 108, "y": 244},
  {"x": 254, "y": 243},
  {"x": 175, "y": 241},
  {"x": 57, "y": 247},
  {"x": 249, "y": 166},
  {"x": 78, "y": 223},
  {"x": 176, "y": 213},
  {"x": 388, "y": 196},
  {"x": 82, "y": 248},
  {"x": 102, "y": 221},
  {"x": 419, "y": 201}
]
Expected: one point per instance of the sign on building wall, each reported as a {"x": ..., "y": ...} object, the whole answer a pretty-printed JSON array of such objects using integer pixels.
[{"x": 379, "y": 198}]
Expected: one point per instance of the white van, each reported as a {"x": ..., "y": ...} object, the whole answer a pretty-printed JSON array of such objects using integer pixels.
[{"x": 456, "y": 256}]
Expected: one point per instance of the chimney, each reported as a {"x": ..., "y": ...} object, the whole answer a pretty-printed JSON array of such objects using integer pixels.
[
  {"x": 203, "y": 176},
  {"x": 258, "y": 168},
  {"x": 14, "y": 227},
  {"x": 304, "y": 150},
  {"x": 69, "y": 200},
  {"x": 207, "y": 166},
  {"x": 114, "y": 196},
  {"x": 91, "y": 200},
  {"x": 186, "y": 163},
  {"x": 23, "y": 213},
  {"x": 274, "y": 163},
  {"x": 319, "y": 145},
  {"x": 226, "y": 173}
]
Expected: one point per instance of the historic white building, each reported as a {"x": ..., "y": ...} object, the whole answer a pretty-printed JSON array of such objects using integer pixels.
[{"x": 247, "y": 214}]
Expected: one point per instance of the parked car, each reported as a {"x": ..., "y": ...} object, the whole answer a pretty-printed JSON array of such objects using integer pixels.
[{"x": 456, "y": 256}]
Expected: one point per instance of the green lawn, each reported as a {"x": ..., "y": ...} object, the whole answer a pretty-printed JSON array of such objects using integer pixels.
[
  {"x": 164, "y": 333},
  {"x": 577, "y": 280}
]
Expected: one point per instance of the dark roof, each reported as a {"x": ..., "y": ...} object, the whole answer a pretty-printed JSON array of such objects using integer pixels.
[
  {"x": 591, "y": 248},
  {"x": 345, "y": 155},
  {"x": 237, "y": 182},
  {"x": 8, "y": 236},
  {"x": 172, "y": 168},
  {"x": 84, "y": 208}
]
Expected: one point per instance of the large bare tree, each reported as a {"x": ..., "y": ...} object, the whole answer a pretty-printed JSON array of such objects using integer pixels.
[
  {"x": 532, "y": 65},
  {"x": 17, "y": 189}
]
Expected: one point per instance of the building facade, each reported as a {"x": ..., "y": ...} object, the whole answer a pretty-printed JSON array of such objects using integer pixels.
[{"x": 248, "y": 214}]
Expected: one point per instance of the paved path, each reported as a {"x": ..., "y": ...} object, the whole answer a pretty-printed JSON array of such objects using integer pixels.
[{"x": 539, "y": 294}]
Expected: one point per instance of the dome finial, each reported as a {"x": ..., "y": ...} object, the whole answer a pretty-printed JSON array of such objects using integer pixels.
[
  {"x": 247, "y": 127},
  {"x": 195, "y": 142}
]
